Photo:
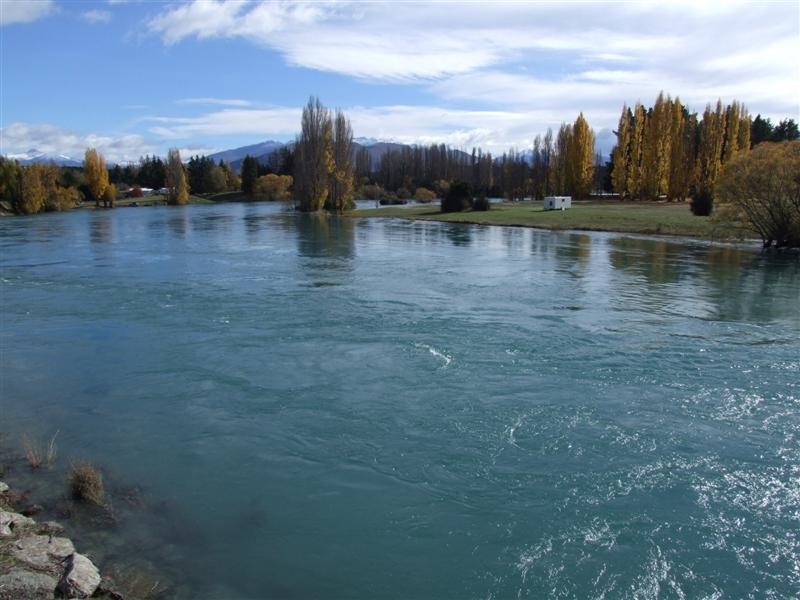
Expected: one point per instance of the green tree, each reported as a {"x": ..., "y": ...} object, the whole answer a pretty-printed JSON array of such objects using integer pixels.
[
  {"x": 249, "y": 174},
  {"x": 458, "y": 197},
  {"x": 177, "y": 187},
  {"x": 785, "y": 130},
  {"x": 10, "y": 182},
  {"x": 763, "y": 186},
  {"x": 151, "y": 173}
]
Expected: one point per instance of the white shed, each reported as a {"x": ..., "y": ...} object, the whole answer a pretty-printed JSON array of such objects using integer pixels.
[{"x": 557, "y": 202}]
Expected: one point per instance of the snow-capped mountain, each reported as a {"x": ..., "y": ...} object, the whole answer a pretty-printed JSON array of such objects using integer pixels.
[{"x": 33, "y": 156}]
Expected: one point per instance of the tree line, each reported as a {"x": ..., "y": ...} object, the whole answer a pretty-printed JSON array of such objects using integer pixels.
[
  {"x": 35, "y": 188},
  {"x": 664, "y": 151}
]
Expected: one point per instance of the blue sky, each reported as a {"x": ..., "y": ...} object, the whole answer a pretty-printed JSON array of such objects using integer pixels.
[{"x": 132, "y": 77}]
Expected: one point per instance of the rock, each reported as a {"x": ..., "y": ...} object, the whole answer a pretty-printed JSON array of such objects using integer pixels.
[
  {"x": 49, "y": 528},
  {"x": 11, "y": 521},
  {"x": 80, "y": 579},
  {"x": 19, "y": 583},
  {"x": 42, "y": 551},
  {"x": 3, "y": 487}
]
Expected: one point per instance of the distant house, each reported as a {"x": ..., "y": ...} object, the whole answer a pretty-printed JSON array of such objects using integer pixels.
[{"x": 557, "y": 202}]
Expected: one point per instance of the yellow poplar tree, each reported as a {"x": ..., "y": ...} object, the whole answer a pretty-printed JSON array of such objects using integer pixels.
[
  {"x": 679, "y": 173},
  {"x": 313, "y": 157},
  {"x": 621, "y": 154},
  {"x": 96, "y": 174},
  {"x": 658, "y": 147},
  {"x": 580, "y": 161},
  {"x": 730, "y": 143},
  {"x": 342, "y": 177},
  {"x": 709, "y": 154},
  {"x": 34, "y": 189},
  {"x": 175, "y": 176},
  {"x": 637, "y": 146},
  {"x": 744, "y": 132}
]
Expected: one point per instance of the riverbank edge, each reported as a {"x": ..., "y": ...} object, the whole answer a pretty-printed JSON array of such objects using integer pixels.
[
  {"x": 649, "y": 232},
  {"x": 37, "y": 563}
]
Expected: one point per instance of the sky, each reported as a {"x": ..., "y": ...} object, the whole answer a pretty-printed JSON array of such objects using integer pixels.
[{"x": 132, "y": 77}]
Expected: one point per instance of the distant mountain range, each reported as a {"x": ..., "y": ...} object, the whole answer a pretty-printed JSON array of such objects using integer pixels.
[
  {"x": 262, "y": 151},
  {"x": 34, "y": 156},
  {"x": 235, "y": 156},
  {"x": 605, "y": 141}
]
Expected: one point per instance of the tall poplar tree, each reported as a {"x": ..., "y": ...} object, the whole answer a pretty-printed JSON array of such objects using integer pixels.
[
  {"x": 712, "y": 141},
  {"x": 177, "y": 188},
  {"x": 313, "y": 157},
  {"x": 621, "y": 156},
  {"x": 680, "y": 165},
  {"x": 656, "y": 149},
  {"x": 558, "y": 163},
  {"x": 342, "y": 176},
  {"x": 96, "y": 174},
  {"x": 580, "y": 159},
  {"x": 734, "y": 113},
  {"x": 744, "y": 132},
  {"x": 637, "y": 147}
]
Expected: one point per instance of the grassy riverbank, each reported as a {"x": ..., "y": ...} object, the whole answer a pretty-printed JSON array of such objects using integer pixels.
[{"x": 629, "y": 217}]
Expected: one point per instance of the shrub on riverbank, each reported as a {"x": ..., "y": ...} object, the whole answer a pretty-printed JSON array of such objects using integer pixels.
[
  {"x": 702, "y": 203},
  {"x": 481, "y": 203},
  {"x": 38, "y": 454},
  {"x": 86, "y": 483},
  {"x": 763, "y": 188},
  {"x": 457, "y": 198}
]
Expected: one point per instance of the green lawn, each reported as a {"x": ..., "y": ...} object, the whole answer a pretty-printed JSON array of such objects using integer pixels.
[{"x": 630, "y": 217}]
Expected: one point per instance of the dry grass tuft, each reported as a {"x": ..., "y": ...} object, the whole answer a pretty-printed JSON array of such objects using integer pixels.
[
  {"x": 39, "y": 454},
  {"x": 86, "y": 483},
  {"x": 138, "y": 583}
]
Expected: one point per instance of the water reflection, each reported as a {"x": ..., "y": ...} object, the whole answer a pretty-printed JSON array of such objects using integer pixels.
[
  {"x": 327, "y": 243},
  {"x": 574, "y": 251},
  {"x": 101, "y": 229},
  {"x": 325, "y": 236},
  {"x": 179, "y": 224},
  {"x": 220, "y": 223},
  {"x": 459, "y": 234},
  {"x": 748, "y": 286},
  {"x": 713, "y": 282},
  {"x": 658, "y": 261}
]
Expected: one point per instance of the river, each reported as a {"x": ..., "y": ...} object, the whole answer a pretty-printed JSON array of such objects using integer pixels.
[{"x": 327, "y": 407}]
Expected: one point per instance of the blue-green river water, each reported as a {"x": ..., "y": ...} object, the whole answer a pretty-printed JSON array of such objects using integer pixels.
[{"x": 340, "y": 408}]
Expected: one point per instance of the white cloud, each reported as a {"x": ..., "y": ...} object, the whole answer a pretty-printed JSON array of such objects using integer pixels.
[
  {"x": 25, "y": 11},
  {"x": 220, "y": 101},
  {"x": 494, "y": 131},
  {"x": 96, "y": 16},
  {"x": 228, "y": 122},
  {"x": 50, "y": 139},
  {"x": 552, "y": 56}
]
